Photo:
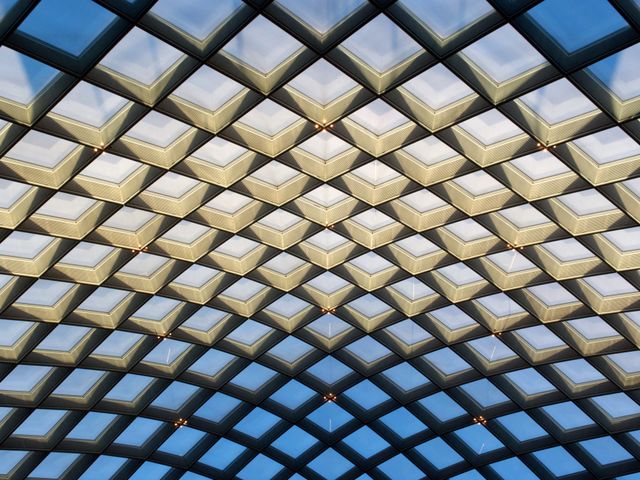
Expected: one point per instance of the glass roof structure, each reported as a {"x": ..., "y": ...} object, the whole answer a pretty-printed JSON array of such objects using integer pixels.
[{"x": 320, "y": 239}]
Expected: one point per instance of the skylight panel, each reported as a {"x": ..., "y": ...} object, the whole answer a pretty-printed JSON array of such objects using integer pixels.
[
  {"x": 574, "y": 24},
  {"x": 503, "y": 54},
  {"x": 262, "y": 45},
  {"x": 196, "y": 18},
  {"x": 72, "y": 29},
  {"x": 322, "y": 15},
  {"x": 381, "y": 44},
  {"x": 141, "y": 57}
]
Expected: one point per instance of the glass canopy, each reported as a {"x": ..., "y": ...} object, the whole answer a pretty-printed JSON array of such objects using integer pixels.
[{"x": 320, "y": 239}]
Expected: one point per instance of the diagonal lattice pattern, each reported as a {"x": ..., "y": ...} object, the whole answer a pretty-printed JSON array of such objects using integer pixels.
[{"x": 319, "y": 239}]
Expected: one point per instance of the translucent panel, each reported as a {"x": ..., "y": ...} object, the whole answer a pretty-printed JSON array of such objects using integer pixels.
[
  {"x": 430, "y": 151},
  {"x": 491, "y": 127},
  {"x": 329, "y": 326},
  {"x": 182, "y": 441},
  {"x": 157, "y": 129},
  {"x": 141, "y": 57},
  {"x": 90, "y": 105},
  {"x": 408, "y": 331},
  {"x": 144, "y": 265},
  {"x": 522, "y": 427},
  {"x": 567, "y": 415},
  {"x": 253, "y": 377},
  {"x": 217, "y": 407},
  {"x": 11, "y": 192},
  {"x": 524, "y": 216},
  {"x": 79, "y": 382},
  {"x": 39, "y": 423},
  {"x": 367, "y": 395},
  {"x": 54, "y": 465},
  {"x": 406, "y": 377},
  {"x": 403, "y": 423},
  {"x": 608, "y": 146},
  {"x": 41, "y": 149},
  {"x": 321, "y": 15},
  {"x": 567, "y": 250},
  {"x": 66, "y": 206},
  {"x": 72, "y": 29},
  {"x": 23, "y": 79},
  {"x": 322, "y": 82},
  {"x": 376, "y": 173},
  {"x": 222, "y": 454},
  {"x": 175, "y": 396},
  {"x": 610, "y": 284},
  {"x": 447, "y": 361},
  {"x": 24, "y": 378},
  {"x": 479, "y": 439},
  {"x": 491, "y": 348},
  {"x": 438, "y": 453},
  {"x": 442, "y": 407},
  {"x": 294, "y": 442},
  {"x": 87, "y": 254},
  {"x": 485, "y": 393},
  {"x": 378, "y": 117},
  {"x": 513, "y": 468},
  {"x": 218, "y": 151},
  {"x": 576, "y": 24},
  {"x": 437, "y": 87},
  {"x": 257, "y": 423},
  {"x": 196, "y": 18},
  {"x": 373, "y": 219},
  {"x": 593, "y": 328},
  {"x": 249, "y": 332},
  {"x": 558, "y": 461},
  {"x": 197, "y": 88},
  {"x": 91, "y": 426},
  {"x": 618, "y": 72},
  {"x": 605, "y": 450},
  {"x": 104, "y": 467},
  {"x": 12, "y": 331},
  {"x": 269, "y": 118},
  {"x": 558, "y": 101},
  {"x": 45, "y": 293},
  {"x": 540, "y": 337},
  {"x": 325, "y": 145},
  {"x": 24, "y": 245},
  {"x": 381, "y": 44},
  {"x": 445, "y": 18},
  {"x": 617, "y": 405},
  {"x": 291, "y": 349},
  {"x": 330, "y": 464},
  {"x": 460, "y": 274},
  {"x": 166, "y": 352},
  {"x": 9, "y": 459},
  {"x": 262, "y": 45},
  {"x": 138, "y": 432},
  {"x": 503, "y": 54},
  {"x": 540, "y": 165},
  {"x": 129, "y": 388},
  {"x": 330, "y": 417},
  {"x": 117, "y": 344},
  {"x": 479, "y": 183},
  {"x": 401, "y": 466},
  {"x": 244, "y": 289},
  {"x": 368, "y": 350},
  {"x": 452, "y": 317},
  {"x": 366, "y": 442},
  {"x": 103, "y": 300},
  {"x": 293, "y": 395},
  {"x": 329, "y": 370},
  {"x": 626, "y": 239},
  {"x": 261, "y": 467},
  {"x": 552, "y": 294},
  {"x": 129, "y": 219},
  {"x": 529, "y": 381}
]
